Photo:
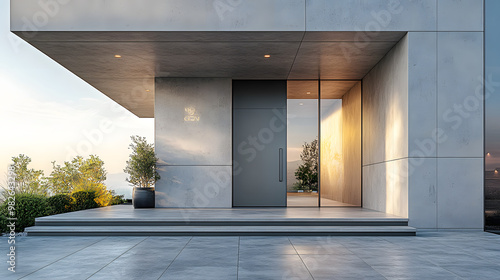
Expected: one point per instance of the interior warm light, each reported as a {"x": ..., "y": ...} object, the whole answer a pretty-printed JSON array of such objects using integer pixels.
[
  {"x": 267, "y": 56},
  {"x": 488, "y": 154},
  {"x": 496, "y": 171},
  {"x": 118, "y": 56},
  {"x": 147, "y": 90},
  {"x": 308, "y": 92}
]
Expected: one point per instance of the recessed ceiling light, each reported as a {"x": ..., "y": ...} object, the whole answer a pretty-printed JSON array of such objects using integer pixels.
[
  {"x": 147, "y": 90},
  {"x": 488, "y": 154},
  {"x": 301, "y": 104},
  {"x": 308, "y": 92},
  {"x": 118, "y": 56},
  {"x": 267, "y": 55}
]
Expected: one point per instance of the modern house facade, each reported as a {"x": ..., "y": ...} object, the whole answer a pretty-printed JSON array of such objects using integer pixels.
[{"x": 383, "y": 99}]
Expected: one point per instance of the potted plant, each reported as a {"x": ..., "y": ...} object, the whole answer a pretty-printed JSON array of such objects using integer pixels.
[{"x": 141, "y": 168}]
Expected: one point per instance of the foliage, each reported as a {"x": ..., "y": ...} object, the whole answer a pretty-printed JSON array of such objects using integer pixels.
[
  {"x": 27, "y": 207},
  {"x": 4, "y": 189},
  {"x": 59, "y": 203},
  {"x": 117, "y": 199},
  {"x": 81, "y": 175},
  {"x": 77, "y": 174},
  {"x": 82, "y": 200},
  {"x": 103, "y": 196},
  {"x": 307, "y": 173},
  {"x": 141, "y": 165},
  {"x": 78, "y": 200},
  {"x": 29, "y": 181}
]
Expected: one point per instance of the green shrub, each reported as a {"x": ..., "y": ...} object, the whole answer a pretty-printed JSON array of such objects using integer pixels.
[
  {"x": 59, "y": 203},
  {"x": 82, "y": 200},
  {"x": 117, "y": 199},
  {"x": 27, "y": 207}
]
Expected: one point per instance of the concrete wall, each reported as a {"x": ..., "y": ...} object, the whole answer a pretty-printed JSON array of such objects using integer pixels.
[
  {"x": 351, "y": 145},
  {"x": 158, "y": 15},
  {"x": 255, "y": 15},
  {"x": 193, "y": 141},
  {"x": 446, "y": 123},
  {"x": 423, "y": 138},
  {"x": 385, "y": 133}
]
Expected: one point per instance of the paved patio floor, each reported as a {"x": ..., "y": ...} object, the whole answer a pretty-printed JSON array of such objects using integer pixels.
[
  {"x": 128, "y": 213},
  {"x": 430, "y": 255}
]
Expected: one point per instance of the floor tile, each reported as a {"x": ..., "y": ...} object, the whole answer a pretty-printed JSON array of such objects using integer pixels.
[
  {"x": 415, "y": 272},
  {"x": 475, "y": 271},
  {"x": 431, "y": 255},
  {"x": 272, "y": 267}
]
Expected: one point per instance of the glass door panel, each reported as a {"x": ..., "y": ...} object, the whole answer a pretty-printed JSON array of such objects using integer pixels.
[
  {"x": 302, "y": 144},
  {"x": 323, "y": 143}
]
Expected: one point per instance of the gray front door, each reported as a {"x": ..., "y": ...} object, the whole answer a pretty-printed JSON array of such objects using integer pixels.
[{"x": 259, "y": 143}]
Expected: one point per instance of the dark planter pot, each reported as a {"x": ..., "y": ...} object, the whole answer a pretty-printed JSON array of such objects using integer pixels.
[{"x": 143, "y": 197}]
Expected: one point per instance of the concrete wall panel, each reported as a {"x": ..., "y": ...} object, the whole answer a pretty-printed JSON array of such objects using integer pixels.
[
  {"x": 385, "y": 133},
  {"x": 193, "y": 141},
  {"x": 460, "y": 15},
  {"x": 385, "y": 187},
  {"x": 193, "y": 121},
  {"x": 422, "y": 193},
  {"x": 385, "y": 103},
  {"x": 371, "y": 15},
  {"x": 460, "y": 193},
  {"x": 460, "y": 93},
  {"x": 158, "y": 15},
  {"x": 194, "y": 186},
  {"x": 422, "y": 97}
]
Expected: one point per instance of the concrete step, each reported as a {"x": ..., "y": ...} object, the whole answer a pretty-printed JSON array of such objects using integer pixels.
[
  {"x": 226, "y": 222},
  {"x": 222, "y": 230}
]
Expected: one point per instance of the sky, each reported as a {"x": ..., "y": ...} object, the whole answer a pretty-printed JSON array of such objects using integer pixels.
[{"x": 50, "y": 114}]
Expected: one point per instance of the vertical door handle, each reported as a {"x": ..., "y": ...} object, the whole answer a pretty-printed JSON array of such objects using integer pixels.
[{"x": 281, "y": 165}]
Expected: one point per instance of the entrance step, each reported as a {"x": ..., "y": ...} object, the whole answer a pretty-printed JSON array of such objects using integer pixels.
[
  {"x": 125, "y": 220},
  {"x": 46, "y": 221},
  {"x": 227, "y": 230}
]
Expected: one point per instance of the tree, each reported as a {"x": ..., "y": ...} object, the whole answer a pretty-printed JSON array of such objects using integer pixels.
[
  {"x": 27, "y": 180},
  {"x": 307, "y": 173},
  {"x": 81, "y": 174},
  {"x": 141, "y": 166}
]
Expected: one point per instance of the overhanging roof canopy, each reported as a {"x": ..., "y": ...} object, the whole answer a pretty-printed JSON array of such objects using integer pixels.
[{"x": 86, "y": 40}]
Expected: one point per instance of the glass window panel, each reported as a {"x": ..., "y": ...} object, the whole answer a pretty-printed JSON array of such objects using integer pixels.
[{"x": 492, "y": 115}]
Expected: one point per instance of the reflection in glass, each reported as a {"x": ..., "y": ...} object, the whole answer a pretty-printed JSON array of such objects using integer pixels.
[
  {"x": 302, "y": 144},
  {"x": 492, "y": 116}
]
